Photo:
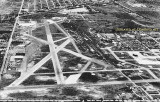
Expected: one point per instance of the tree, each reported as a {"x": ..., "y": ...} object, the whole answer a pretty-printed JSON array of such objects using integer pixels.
[
  {"x": 23, "y": 95},
  {"x": 70, "y": 91}
]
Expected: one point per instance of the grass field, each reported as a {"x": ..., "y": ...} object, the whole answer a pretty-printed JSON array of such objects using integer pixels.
[{"x": 4, "y": 8}]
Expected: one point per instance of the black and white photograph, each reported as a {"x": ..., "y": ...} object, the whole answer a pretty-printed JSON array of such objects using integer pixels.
[{"x": 79, "y": 50}]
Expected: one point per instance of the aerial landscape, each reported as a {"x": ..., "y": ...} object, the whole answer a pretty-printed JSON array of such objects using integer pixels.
[{"x": 67, "y": 50}]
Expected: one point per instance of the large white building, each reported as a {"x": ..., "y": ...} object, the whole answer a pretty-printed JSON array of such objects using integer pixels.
[
  {"x": 76, "y": 10},
  {"x": 144, "y": 59}
]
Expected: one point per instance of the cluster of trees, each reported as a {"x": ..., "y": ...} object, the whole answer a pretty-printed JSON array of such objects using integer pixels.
[
  {"x": 23, "y": 95},
  {"x": 154, "y": 14},
  {"x": 88, "y": 77},
  {"x": 77, "y": 25},
  {"x": 70, "y": 91},
  {"x": 154, "y": 2},
  {"x": 73, "y": 91},
  {"x": 5, "y": 36}
]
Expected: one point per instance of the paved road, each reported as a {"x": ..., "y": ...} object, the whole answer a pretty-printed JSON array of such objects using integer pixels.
[
  {"x": 4, "y": 65},
  {"x": 30, "y": 71},
  {"x": 54, "y": 56}
]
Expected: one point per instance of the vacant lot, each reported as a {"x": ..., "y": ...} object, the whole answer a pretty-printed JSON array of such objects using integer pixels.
[{"x": 4, "y": 7}]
